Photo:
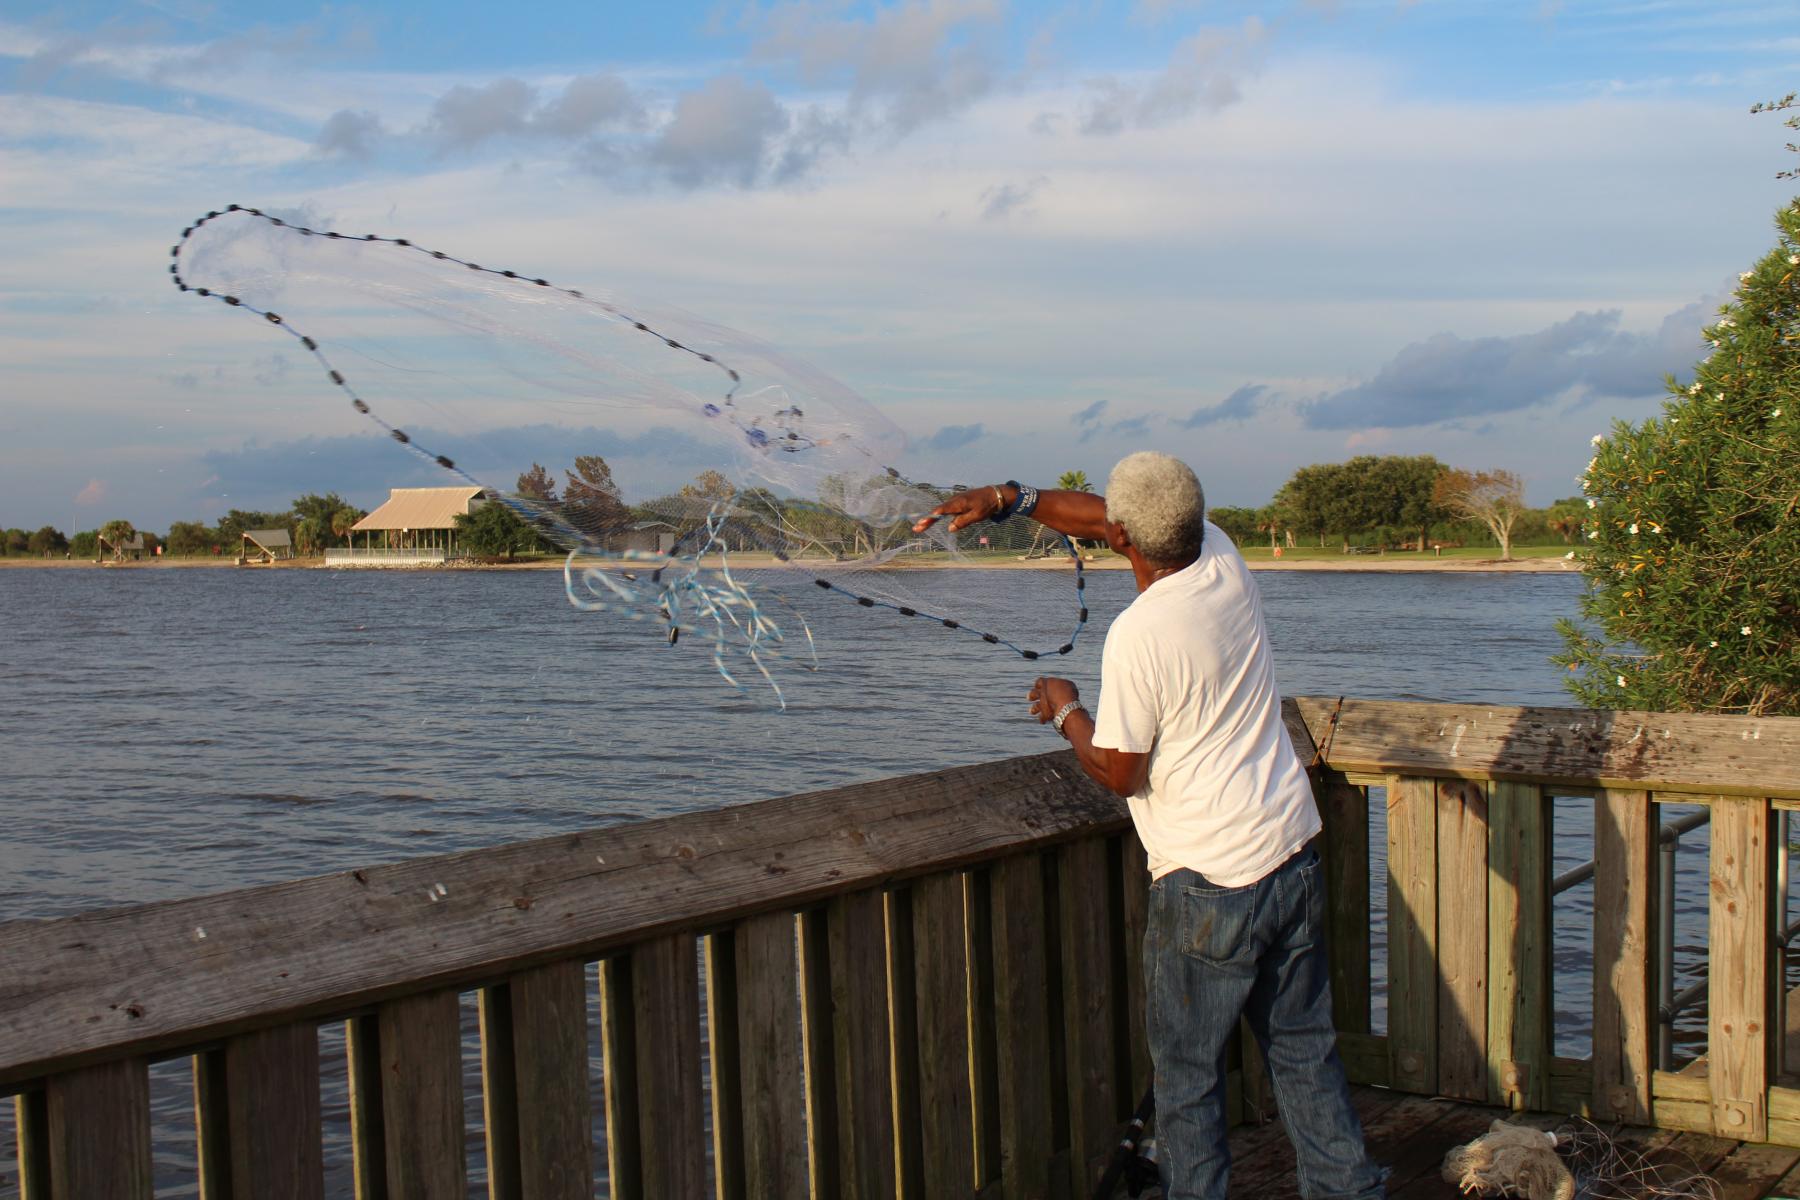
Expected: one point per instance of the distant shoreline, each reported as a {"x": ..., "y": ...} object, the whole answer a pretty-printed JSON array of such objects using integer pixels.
[{"x": 1384, "y": 563}]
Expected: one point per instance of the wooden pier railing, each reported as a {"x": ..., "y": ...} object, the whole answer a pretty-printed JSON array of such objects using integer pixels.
[{"x": 924, "y": 987}]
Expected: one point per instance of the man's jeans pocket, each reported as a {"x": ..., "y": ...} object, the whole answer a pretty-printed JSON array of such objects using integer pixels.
[{"x": 1216, "y": 923}]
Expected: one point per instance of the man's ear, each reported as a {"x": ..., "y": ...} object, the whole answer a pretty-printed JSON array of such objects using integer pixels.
[{"x": 1117, "y": 538}]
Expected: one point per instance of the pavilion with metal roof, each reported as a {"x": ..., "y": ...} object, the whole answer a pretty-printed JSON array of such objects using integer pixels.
[{"x": 415, "y": 524}]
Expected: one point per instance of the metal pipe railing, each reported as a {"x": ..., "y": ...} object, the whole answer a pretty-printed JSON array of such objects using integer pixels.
[
  {"x": 1669, "y": 1004},
  {"x": 1578, "y": 875},
  {"x": 1573, "y": 877}
]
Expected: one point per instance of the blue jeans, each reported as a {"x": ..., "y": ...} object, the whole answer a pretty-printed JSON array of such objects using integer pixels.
[{"x": 1211, "y": 954}]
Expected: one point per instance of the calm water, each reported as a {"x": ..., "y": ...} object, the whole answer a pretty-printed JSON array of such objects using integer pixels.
[{"x": 181, "y": 731}]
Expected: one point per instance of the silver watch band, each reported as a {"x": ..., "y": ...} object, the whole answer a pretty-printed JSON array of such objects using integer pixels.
[{"x": 1062, "y": 714}]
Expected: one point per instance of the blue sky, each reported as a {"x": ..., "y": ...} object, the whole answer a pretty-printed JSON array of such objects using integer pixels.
[{"x": 1038, "y": 236}]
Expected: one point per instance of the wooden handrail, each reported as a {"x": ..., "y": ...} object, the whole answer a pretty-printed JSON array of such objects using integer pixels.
[
  {"x": 1670, "y": 752},
  {"x": 924, "y": 1026},
  {"x": 163, "y": 976}
]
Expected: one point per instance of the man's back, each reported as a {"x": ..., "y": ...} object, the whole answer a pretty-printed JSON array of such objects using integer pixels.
[{"x": 1187, "y": 677}]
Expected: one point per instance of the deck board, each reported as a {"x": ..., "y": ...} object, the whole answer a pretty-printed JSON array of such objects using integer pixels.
[{"x": 1411, "y": 1135}]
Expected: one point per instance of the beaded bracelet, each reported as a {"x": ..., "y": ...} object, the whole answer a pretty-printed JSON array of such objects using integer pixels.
[{"x": 1027, "y": 501}]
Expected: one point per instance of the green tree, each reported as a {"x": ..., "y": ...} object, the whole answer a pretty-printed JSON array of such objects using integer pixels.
[
  {"x": 1240, "y": 524},
  {"x": 233, "y": 524},
  {"x": 85, "y": 544},
  {"x": 15, "y": 542},
  {"x": 1565, "y": 518},
  {"x": 318, "y": 508},
  {"x": 1268, "y": 520},
  {"x": 1495, "y": 498},
  {"x": 344, "y": 519},
  {"x": 709, "y": 485},
  {"x": 116, "y": 533},
  {"x": 1074, "y": 481},
  {"x": 591, "y": 499},
  {"x": 1305, "y": 502},
  {"x": 1784, "y": 104},
  {"x": 538, "y": 484},
  {"x": 494, "y": 530},
  {"x": 1693, "y": 538},
  {"x": 48, "y": 540},
  {"x": 1405, "y": 498},
  {"x": 189, "y": 538}
]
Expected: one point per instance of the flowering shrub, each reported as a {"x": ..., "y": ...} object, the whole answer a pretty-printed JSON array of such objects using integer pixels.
[{"x": 1692, "y": 543}]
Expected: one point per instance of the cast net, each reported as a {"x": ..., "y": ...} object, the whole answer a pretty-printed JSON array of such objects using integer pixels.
[{"x": 573, "y": 414}]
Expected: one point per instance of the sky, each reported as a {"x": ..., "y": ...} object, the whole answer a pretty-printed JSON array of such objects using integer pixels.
[{"x": 1037, "y": 236}]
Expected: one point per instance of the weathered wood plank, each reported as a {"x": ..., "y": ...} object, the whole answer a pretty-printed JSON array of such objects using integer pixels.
[
  {"x": 1571, "y": 1087},
  {"x": 368, "y": 1132},
  {"x": 864, "y": 1058},
  {"x": 1750, "y": 1172},
  {"x": 31, "y": 1133},
  {"x": 819, "y": 1029},
  {"x": 769, "y": 1058},
  {"x": 1462, "y": 933},
  {"x": 421, "y": 1096},
  {"x": 619, "y": 1062},
  {"x": 499, "y": 1092},
  {"x": 903, "y": 993},
  {"x": 726, "y": 1057},
  {"x": 1738, "y": 945},
  {"x": 984, "y": 1050},
  {"x": 1135, "y": 882},
  {"x": 1262, "y": 1156},
  {"x": 1417, "y": 1162},
  {"x": 272, "y": 1096},
  {"x": 1787, "y": 1186},
  {"x": 1676, "y": 752},
  {"x": 666, "y": 1002},
  {"x": 1518, "y": 945},
  {"x": 1412, "y": 934},
  {"x": 1366, "y": 1059},
  {"x": 213, "y": 1127},
  {"x": 1088, "y": 1008},
  {"x": 166, "y": 975},
  {"x": 1022, "y": 1023},
  {"x": 946, "y": 1107},
  {"x": 1343, "y": 844},
  {"x": 1624, "y": 967},
  {"x": 550, "y": 1061},
  {"x": 99, "y": 1131}
]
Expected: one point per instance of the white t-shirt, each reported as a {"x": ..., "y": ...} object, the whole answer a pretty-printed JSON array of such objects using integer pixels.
[{"x": 1187, "y": 677}]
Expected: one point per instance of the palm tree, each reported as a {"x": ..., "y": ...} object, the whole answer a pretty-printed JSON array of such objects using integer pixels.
[
  {"x": 311, "y": 532},
  {"x": 116, "y": 534},
  {"x": 1074, "y": 481},
  {"x": 1267, "y": 519},
  {"x": 343, "y": 520}
]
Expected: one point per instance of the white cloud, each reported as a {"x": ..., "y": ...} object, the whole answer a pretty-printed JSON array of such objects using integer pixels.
[
  {"x": 1205, "y": 73},
  {"x": 1296, "y": 238}
]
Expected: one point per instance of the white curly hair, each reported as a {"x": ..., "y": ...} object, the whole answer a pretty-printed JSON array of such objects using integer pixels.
[{"x": 1158, "y": 499}]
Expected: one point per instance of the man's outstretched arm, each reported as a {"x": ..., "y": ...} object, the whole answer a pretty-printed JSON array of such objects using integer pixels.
[{"x": 1077, "y": 514}]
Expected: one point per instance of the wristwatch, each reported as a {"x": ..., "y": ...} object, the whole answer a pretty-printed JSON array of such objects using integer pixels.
[{"x": 1062, "y": 714}]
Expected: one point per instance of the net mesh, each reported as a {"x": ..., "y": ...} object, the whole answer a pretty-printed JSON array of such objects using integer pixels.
[{"x": 487, "y": 373}]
